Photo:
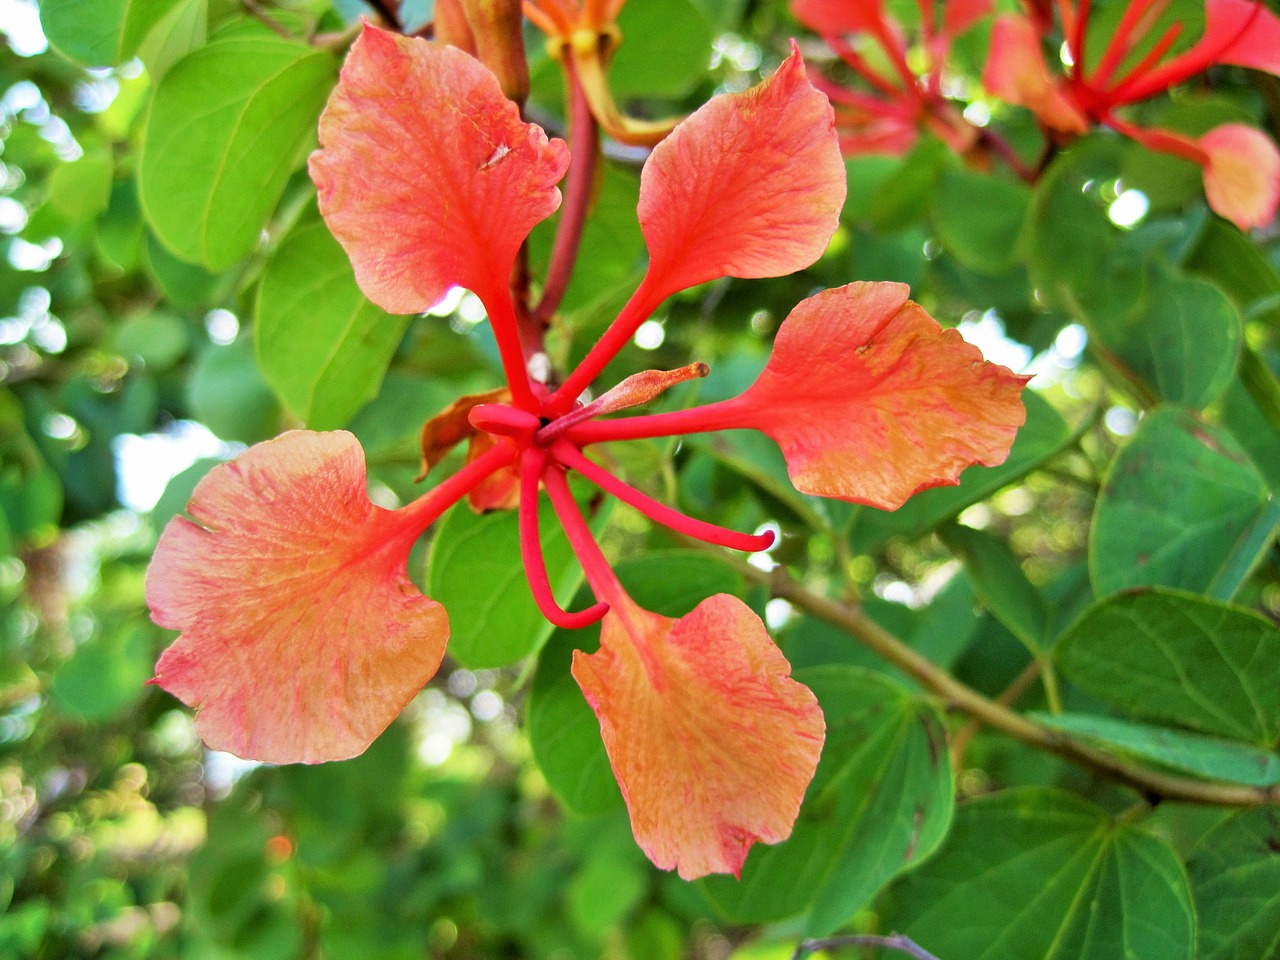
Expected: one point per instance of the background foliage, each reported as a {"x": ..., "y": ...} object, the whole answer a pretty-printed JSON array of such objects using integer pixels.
[{"x": 1103, "y": 603}]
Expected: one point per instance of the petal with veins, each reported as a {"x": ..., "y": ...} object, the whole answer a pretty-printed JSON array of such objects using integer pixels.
[
  {"x": 750, "y": 185},
  {"x": 712, "y": 742},
  {"x": 836, "y": 17},
  {"x": 872, "y": 401},
  {"x": 426, "y": 173},
  {"x": 302, "y": 637},
  {"x": 1242, "y": 176}
]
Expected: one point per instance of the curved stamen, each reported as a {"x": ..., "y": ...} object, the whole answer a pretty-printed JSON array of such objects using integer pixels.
[
  {"x": 600, "y": 576},
  {"x": 503, "y": 420},
  {"x": 535, "y": 568},
  {"x": 569, "y": 455}
]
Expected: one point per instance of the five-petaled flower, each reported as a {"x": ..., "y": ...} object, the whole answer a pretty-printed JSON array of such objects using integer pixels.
[
  {"x": 302, "y": 637},
  {"x": 1241, "y": 164}
]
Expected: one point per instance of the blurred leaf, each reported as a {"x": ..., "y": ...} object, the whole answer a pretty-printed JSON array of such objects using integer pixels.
[
  {"x": 1178, "y": 658},
  {"x": 178, "y": 491},
  {"x": 979, "y": 218},
  {"x": 906, "y": 195},
  {"x": 879, "y": 804},
  {"x": 655, "y": 60},
  {"x": 158, "y": 339},
  {"x": 228, "y": 395},
  {"x": 81, "y": 190},
  {"x": 1235, "y": 876},
  {"x": 106, "y": 673},
  {"x": 101, "y": 33},
  {"x": 998, "y": 579},
  {"x": 1232, "y": 261},
  {"x": 1181, "y": 506},
  {"x": 1040, "y": 873},
  {"x": 1192, "y": 753},
  {"x": 321, "y": 346},
  {"x": 228, "y": 125}
]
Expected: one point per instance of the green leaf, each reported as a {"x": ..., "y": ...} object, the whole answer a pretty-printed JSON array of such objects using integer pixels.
[
  {"x": 1000, "y": 583},
  {"x": 1235, "y": 876},
  {"x": 654, "y": 60},
  {"x": 1181, "y": 506},
  {"x": 563, "y": 731},
  {"x": 1235, "y": 263},
  {"x": 979, "y": 218},
  {"x": 228, "y": 395},
  {"x": 1178, "y": 658},
  {"x": 159, "y": 339},
  {"x": 908, "y": 192},
  {"x": 322, "y": 347},
  {"x": 476, "y": 571},
  {"x": 101, "y": 33},
  {"x": 106, "y": 674},
  {"x": 1193, "y": 753},
  {"x": 1040, "y": 874},
  {"x": 1043, "y": 436},
  {"x": 82, "y": 189},
  {"x": 182, "y": 29},
  {"x": 879, "y": 804},
  {"x": 228, "y": 125}
]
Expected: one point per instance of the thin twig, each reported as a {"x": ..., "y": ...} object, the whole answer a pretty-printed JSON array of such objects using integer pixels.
[
  {"x": 388, "y": 14},
  {"x": 857, "y": 624},
  {"x": 273, "y": 25},
  {"x": 894, "y": 941}
]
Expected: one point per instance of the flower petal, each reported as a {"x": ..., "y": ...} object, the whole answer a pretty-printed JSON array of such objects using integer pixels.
[
  {"x": 1242, "y": 176},
  {"x": 302, "y": 637},
  {"x": 1242, "y": 32},
  {"x": 426, "y": 173},
  {"x": 872, "y": 401},
  {"x": 712, "y": 742},
  {"x": 750, "y": 185},
  {"x": 959, "y": 15},
  {"x": 1017, "y": 73},
  {"x": 836, "y": 17}
]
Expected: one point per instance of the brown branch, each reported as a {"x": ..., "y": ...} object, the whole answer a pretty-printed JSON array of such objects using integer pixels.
[
  {"x": 387, "y": 13},
  {"x": 955, "y": 694}
]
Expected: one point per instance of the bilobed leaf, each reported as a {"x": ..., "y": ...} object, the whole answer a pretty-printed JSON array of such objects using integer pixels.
[
  {"x": 228, "y": 125},
  {"x": 475, "y": 570},
  {"x": 1235, "y": 875},
  {"x": 1179, "y": 658},
  {"x": 1177, "y": 505},
  {"x": 1040, "y": 874},
  {"x": 1209, "y": 757},
  {"x": 563, "y": 732},
  {"x": 879, "y": 804},
  {"x": 321, "y": 345}
]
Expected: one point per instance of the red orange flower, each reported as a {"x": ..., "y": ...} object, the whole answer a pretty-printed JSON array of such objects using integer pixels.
[{"x": 301, "y": 636}]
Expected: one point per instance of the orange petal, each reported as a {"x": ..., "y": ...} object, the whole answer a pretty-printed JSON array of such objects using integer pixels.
[
  {"x": 302, "y": 637},
  {"x": 837, "y": 17},
  {"x": 872, "y": 401},
  {"x": 499, "y": 490},
  {"x": 451, "y": 426},
  {"x": 426, "y": 173},
  {"x": 1242, "y": 175},
  {"x": 1016, "y": 72},
  {"x": 712, "y": 742},
  {"x": 751, "y": 185}
]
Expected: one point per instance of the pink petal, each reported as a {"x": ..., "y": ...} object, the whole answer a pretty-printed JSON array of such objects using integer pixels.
[
  {"x": 1242, "y": 176},
  {"x": 837, "y": 17},
  {"x": 427, "y": 175},
  {"x": 1242, "y": 32},
  {"x": 1016, "y": 72},
  {"x": 302, "y": 637},
  {"x": 751, "y": 185},
  {"x": 959, "y": 15},
  {"x": 711, "y": 741},
  {"x": 872, "y": 401}
]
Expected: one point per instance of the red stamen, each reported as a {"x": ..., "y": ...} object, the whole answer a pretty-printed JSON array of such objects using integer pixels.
[
  {"x": 1078, "y": 34},
  {"x": 1118, "y": 93},
  {"x": 535, "y": 569},
  {"x": 600, "y": 576},
  {"x": 429, "y": 507},
  {"x": 1163, "y": 141},
  {"x": 506, "y": 330},
  {"x": 714, "y": 416},
  {"x": 571, "y": 456},
  {"x": 1119, "y": 46},
  {"x": 637, "y": 389},
  {"x": 862, "y": 68},
  {"x": 505, "y": 421}
]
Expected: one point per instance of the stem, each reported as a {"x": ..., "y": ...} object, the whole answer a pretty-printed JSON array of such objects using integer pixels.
[
  {"x": 584, "y": 148},
  {"x": 1118, "y": 93},
  {"x": 894, "y": 941},
  {"x": 1005, "y": 151},
  {"x": 714, "y": 416},
  {"x": 428, "y": 508},
  {"x": 1119, "y": 46},
  {"x": 600, "y": 576},
  {"x": 1008, "y": 697},
  {"x": 956, "y": 694},
  {"x": 532, "y": 466},
  {"x": 571, "y": 456},
  {"x": 862, "y": 68},
  {"x": 506, "y": 330},
  {"x": 635, "y": 312}
]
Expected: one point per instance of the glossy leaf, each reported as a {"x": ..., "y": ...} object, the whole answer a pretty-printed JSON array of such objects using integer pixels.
[
  {"x": 227, "y": 127},
  {"x": 1235, "y": 875},
  {"x": 1178, "y": 658},
  {"x": 980, "y": 218},
  {"x": 1178, "y": 503},
  {"x": 879, "y": 805},
  {"x": 1201, "y": 756},
  {"x": 998, "y": 578},
  {"x": 101, "y": 33},
  {"x": 302, "y": 635},
  {"x": 1040, "y": 874},
  {"x": 750, "y": 185},
  {"x": 457, "y": 151},
  {"x": 321, "y": 345}
]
